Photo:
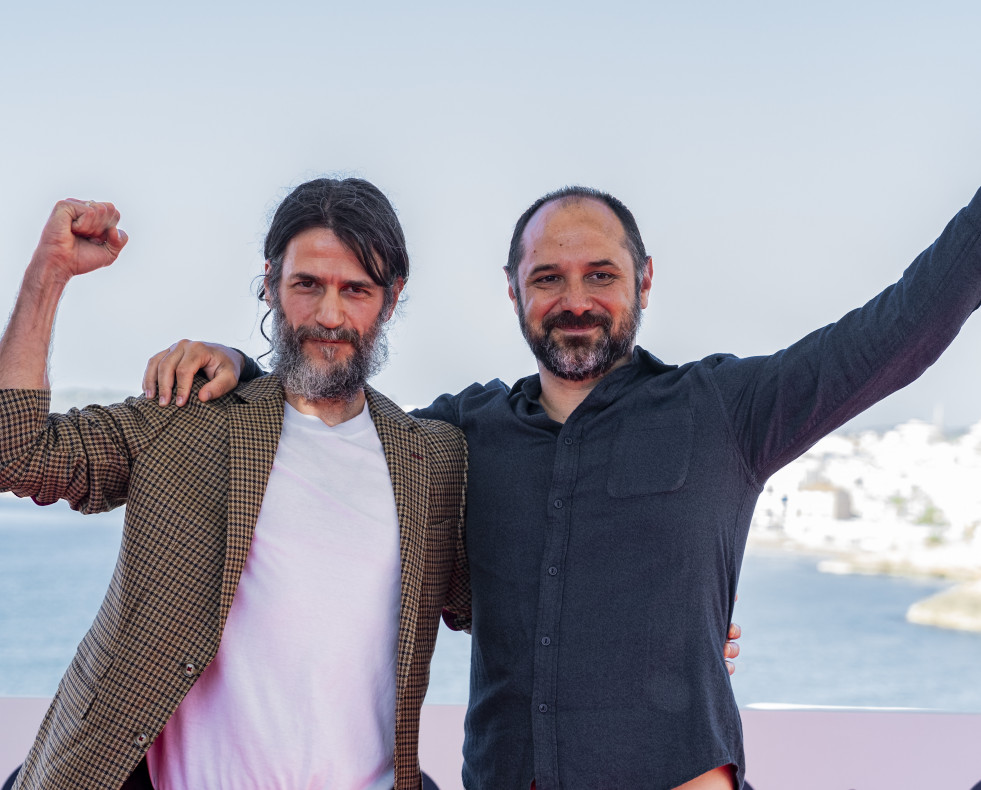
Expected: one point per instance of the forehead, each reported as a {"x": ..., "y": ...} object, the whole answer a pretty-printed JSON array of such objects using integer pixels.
[
  {"x": 572, "y": 228},
  {"x": 321, "y": 250}
]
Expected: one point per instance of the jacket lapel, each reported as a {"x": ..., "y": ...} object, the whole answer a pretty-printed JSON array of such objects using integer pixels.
[
  {"x": 254, "y": 428},
  {"x": 408, "y": 467}
]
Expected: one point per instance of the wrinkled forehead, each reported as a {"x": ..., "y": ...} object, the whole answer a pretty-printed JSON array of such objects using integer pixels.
[
  {"x": 322, "y": 250},
  {"x": 326, "y": 245}
]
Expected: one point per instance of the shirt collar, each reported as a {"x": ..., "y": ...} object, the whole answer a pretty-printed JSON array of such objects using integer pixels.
[{"x": 525, "y": 395}]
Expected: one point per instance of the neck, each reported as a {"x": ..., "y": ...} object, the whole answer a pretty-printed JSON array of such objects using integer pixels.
[
  {"x": 331, "y": 411},
  {"x": 560, "y": 397}
]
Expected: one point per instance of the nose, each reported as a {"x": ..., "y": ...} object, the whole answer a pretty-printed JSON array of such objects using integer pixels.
[
  {"x": 576, "y": 298},
  {"x": 329, "y": 311}
]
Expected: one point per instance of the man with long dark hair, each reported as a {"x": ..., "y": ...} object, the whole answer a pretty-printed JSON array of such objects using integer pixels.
[{"x": 288, "y": 548}]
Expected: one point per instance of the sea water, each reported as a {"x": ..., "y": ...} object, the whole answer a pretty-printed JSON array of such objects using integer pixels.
[{"x": 809, "y": 638}]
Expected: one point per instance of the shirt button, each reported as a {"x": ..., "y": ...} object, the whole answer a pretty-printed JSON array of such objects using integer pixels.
[
  {"x": 568, "y": 440},
  {"x": 552, "y": 571},
  {"x": 142, "y": 739},
  {"x": 189, "y": 669},
  {"x": 557, "y": 503},
  {"x": 546, "y": 641},
  {"x": 543, "y": 708}
]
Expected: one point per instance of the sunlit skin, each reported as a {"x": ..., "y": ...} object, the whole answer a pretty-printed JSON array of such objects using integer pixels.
[
  {"x": 324, "y": 284},
  {"x": 576, "y": 260}
]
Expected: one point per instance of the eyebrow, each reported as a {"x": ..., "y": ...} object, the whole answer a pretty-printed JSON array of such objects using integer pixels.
[
  {"x": 369, "y": 283},
  {"x": 539, "y": 268}
]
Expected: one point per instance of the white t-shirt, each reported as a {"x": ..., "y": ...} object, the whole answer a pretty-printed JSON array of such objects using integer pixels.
[{"x": 301, "y": 694}]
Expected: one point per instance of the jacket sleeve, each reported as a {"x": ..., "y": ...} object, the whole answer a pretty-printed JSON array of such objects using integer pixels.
[
  {"x": 83, "y": 457},
  {"x": 456, "y": 604},
  {"x": 781, "y": 404},
  {"x": 456, "y": 610}
]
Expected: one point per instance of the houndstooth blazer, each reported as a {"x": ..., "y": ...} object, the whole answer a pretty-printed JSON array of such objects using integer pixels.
[{"x": 192, "y": 480}]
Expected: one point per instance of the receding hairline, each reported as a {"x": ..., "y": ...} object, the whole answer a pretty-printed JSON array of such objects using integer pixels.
[
  {"x": 631, "y": 240},
  {"x": 562, "y": 201}
]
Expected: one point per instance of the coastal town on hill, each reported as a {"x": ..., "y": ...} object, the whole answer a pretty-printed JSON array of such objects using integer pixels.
[{"x": 906, "y": 502}]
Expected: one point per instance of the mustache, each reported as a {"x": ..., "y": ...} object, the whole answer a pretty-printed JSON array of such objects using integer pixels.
[
  {"x": 567, "y": 320},
  {"x": 338, "y": 334}
]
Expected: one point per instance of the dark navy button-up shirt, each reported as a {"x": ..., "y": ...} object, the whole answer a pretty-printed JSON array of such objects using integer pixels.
[{"x": 605, "y": 551}]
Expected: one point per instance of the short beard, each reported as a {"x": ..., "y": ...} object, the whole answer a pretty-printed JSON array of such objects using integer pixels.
[
  {"x": 579, "y": 359},
  {"x": 338, "y": 380}
]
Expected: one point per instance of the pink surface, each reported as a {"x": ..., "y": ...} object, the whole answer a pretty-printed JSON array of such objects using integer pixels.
[
  {"x": 19, "y": 719},
  {"x": 861, "y": 750},
  {"x": 785, "y": 750},
  {"x": 799, "y": 749}
]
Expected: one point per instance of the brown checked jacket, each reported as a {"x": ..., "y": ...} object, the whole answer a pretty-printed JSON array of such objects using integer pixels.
[{"x": 192, "y": 480}]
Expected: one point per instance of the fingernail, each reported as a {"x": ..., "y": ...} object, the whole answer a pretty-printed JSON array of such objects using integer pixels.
[
  {"x": 163, "y": 401},
  {"x": 148, "y": 394},
  {"x": 180, "y": 400}
]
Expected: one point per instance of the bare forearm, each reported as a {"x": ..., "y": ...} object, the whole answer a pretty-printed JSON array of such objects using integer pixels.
[
  {"x": 79, "y": 237},
  {"x": 25, "y": 342}
]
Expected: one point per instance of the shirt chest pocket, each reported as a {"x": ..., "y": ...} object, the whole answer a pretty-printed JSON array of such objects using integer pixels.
[{"x": 650, "y": 455}]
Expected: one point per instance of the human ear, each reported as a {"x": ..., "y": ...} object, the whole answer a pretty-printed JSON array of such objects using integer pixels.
[
  {"x": 511, "y": 295},
  {"x": 646, "y": 282}
]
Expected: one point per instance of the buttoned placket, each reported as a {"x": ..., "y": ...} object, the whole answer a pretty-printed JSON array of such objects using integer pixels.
[{"x": 560, "y": 508}]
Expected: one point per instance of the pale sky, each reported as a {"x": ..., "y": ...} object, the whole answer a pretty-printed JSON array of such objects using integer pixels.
[{"x": 785, "y": 163}]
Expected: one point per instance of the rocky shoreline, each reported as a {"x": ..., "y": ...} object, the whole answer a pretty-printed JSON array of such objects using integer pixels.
[{"x": 957, "y": 608}]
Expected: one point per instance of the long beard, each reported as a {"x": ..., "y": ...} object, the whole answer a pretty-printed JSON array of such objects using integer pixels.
[
  {"x": 336, "y": 379},
  {"x": 578, "y": 359}
]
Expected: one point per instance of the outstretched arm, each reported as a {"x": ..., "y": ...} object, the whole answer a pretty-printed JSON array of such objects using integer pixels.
[
  {"x": 781, "y": 404},
  {"x": 79, "y": 237}
]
